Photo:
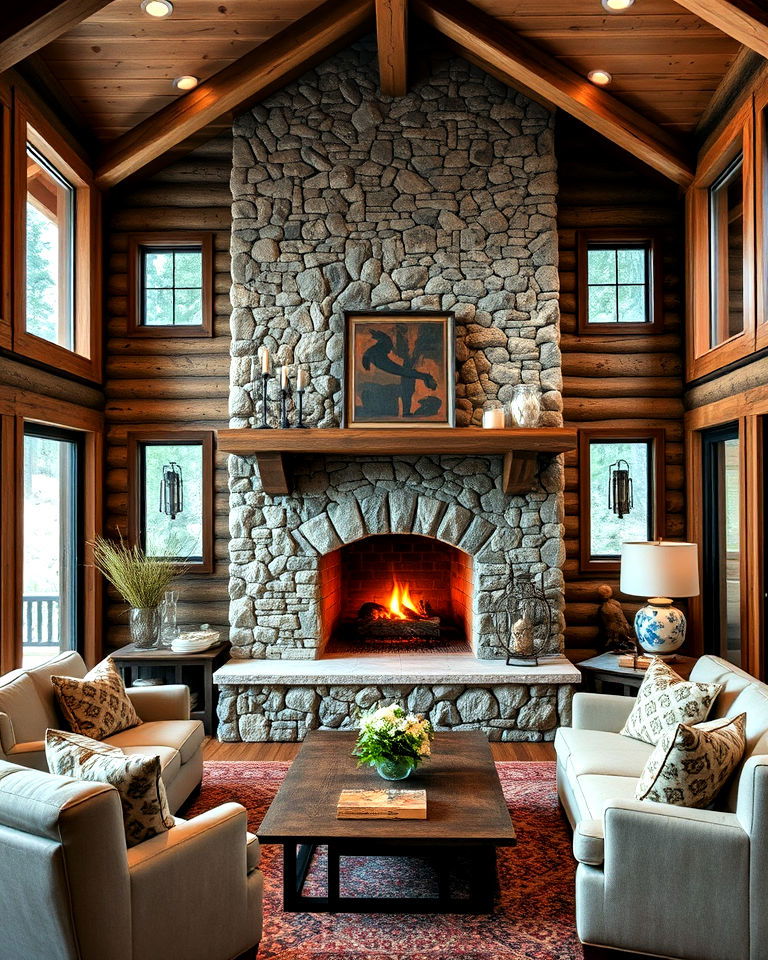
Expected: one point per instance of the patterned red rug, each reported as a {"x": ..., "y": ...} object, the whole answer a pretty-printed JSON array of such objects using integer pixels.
[{"x": 533, "y": 918}]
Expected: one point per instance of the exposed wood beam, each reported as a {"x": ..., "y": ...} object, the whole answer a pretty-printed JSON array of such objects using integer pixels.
[
  {"x": 745, "y": 21},
  {"x": 492, "y": 45},
  {"x": 252, "y": 77},
  {"x": 738, "y": 82},
  {"x": 392, "y": 41},
  {"x": 31, "y": 25}
]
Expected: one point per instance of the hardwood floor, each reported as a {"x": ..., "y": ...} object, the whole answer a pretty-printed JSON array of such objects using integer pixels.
[{"x": 213, "y": 750}]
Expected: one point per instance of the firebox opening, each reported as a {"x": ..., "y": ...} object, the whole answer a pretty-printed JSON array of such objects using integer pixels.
[{"x": 389, "y": 593}]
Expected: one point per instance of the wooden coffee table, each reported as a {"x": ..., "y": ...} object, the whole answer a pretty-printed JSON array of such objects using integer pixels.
[{"x": 466, "y": 816}]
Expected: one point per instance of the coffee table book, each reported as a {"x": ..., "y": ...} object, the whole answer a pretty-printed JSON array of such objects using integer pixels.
[{"x": 385, "y": 804}]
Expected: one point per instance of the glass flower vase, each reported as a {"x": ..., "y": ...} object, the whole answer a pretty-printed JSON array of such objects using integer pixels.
[
  {"x": 399, "y": 769},
  {"x": 144, "y": 624},
  {"x": 169, "y": 630}
]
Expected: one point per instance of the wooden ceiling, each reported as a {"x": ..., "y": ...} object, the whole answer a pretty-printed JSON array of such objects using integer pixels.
[{"x": 117, "y": 66}]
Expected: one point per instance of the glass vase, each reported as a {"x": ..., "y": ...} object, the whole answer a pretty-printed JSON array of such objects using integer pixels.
[
  {"x": 525, "y": 405},
  {"x": 169, "y": 630},
  {"x": 394, "y": 769},
  {"x": 144, "y": 623}
]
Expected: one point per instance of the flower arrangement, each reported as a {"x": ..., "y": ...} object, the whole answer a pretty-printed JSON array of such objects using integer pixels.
[
  {"x": 140, "y": 580},
  {"x": 394, "y": 741}
]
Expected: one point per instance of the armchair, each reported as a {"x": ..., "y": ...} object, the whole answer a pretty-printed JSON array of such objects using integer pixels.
[{"x": 72, "y": 891}]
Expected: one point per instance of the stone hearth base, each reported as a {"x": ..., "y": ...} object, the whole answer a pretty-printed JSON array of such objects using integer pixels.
[{"x": 263, "y": 700}]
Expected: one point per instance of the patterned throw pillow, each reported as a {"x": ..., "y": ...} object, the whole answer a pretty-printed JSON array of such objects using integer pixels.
[
  {"x": 96, "y": 706},
  {"x": 690, "y": 765},
  {"x": 664, "y": 700},
  {"x": 136, "y": 778}
]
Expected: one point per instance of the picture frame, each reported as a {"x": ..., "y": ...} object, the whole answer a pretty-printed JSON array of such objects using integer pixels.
[{"x": 377, "y": 344}]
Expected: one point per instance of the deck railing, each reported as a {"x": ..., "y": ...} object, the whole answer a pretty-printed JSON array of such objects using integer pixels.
[{"x": 40, "y": 621}]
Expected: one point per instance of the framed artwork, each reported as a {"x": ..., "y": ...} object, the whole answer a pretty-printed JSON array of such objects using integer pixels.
[{"x": 399, "y": 369}]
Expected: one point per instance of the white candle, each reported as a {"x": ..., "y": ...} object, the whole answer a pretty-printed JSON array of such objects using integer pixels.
[
  {"x": 284, "y": 378},
  {"x": 302, "y": 379},
  {"x": 253, "y": 370},
  {"x": 264, "y": 360},
  {"x": 493, "y": 419}
]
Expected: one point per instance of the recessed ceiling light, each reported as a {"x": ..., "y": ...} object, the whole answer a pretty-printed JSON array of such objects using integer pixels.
[
  {"x": 616, "y": 5},
  {"x": 157, "y": 8},
  {"x": 601, "y": 77},
  {"x": 185, "y": 83}
]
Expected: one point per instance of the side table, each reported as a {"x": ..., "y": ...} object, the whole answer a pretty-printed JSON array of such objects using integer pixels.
[
  {"x": 604, "y": 671},
  {"x": 193, "y": 669}
]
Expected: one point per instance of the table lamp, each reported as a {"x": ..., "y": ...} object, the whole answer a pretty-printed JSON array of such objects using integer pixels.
[{"x": 660, "y": 570}]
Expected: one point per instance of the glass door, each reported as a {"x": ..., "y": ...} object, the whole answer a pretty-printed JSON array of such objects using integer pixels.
[
  {"x": 53, "y": 542},
  {"x": 722, "y": 546}
]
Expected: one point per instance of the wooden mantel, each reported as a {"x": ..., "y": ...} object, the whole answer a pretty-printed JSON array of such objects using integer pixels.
[{"x": 520, "y": 448}]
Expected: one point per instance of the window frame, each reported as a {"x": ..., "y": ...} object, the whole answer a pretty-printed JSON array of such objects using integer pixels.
[
  {"x": 761, "y": 214},
  {"x": 173, "y": 240},
  {"x": 136, "y": 439},
  {"x": 657, "y": 439},
  {"x": 85, "y": 359},
  {"x": 6, "y": 233},
  {"x": 737, "y": 137},
  {"x": 621, "y": 238}
]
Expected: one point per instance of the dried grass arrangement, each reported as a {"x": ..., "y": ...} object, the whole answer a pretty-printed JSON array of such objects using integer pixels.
[{"x": 140, "y": 580}]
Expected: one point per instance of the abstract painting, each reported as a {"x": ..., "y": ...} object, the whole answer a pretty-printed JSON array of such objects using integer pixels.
[{"x": 399, "y": 370}]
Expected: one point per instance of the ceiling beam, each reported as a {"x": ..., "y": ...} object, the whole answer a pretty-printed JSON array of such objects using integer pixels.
[
  {"x": 392, "y": 42},
  {"x": 493, "y": 45},
  {"x": 738, "y": 82},
  {"x": 267, "y": 68},
  {"x": 743, "y": 20},
  {"x": 31, "y": 25}
]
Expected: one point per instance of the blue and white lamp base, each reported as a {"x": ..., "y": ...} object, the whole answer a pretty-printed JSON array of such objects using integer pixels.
[{"x": 660, "y": 627}]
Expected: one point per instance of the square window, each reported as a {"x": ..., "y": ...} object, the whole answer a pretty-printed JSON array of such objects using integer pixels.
[
  {"x": 171, "y": 289},
  {"x": 618, "y": 282}
]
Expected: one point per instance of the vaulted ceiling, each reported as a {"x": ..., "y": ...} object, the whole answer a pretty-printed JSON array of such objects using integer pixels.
[{"x": 116, "y": 65}]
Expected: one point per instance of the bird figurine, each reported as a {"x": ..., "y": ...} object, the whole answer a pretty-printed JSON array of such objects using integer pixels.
[{"x": 616, "y": 631}]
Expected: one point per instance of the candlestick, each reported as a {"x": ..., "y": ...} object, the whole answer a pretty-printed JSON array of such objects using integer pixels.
[
  {"x": 284, "y": 378},
  {"x": 265, "y": 360},
  {"x": 302, "y": 379},
  {"x": 264, "y": 425},
  {"x": 300, "y": 404},
  {"x": 284, "y": 407}
]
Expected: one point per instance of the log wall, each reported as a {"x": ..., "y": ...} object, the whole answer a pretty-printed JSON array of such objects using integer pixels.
[
  {"x": 616, "y": 381},
  {"x": 152, "y": 382}
]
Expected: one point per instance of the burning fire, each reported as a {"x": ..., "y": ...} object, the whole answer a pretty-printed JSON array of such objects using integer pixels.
[{"x": 401, "y": 607}]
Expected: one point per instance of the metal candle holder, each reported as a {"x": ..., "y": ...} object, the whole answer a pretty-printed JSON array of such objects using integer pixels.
[
  {"x": 264, "y": 425},
  {"x": 284, "y": 408},
  {"x": 300, "y": 408}
]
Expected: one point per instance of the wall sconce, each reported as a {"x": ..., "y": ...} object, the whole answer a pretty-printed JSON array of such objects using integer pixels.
[
  {"x": 171, "y": 490},
  {"x": 620, "y": 488}
]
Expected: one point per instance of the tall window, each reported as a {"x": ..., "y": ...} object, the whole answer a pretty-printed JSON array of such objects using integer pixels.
[
  {"x": 621, "y": 493},
  {"x": 619, "y": 288},
  {"x": 52, "y": 543},
  {"x": 170, "y": 284},
  {"x": 722, "y": 546},
  {"x": 726, "y": 269},
  {"x": 49, "y": 252},
  {"x": 171, "y": 479}
]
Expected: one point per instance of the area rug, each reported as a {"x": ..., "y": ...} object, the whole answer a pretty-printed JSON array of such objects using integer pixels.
[{"x": 534, "y": 914}]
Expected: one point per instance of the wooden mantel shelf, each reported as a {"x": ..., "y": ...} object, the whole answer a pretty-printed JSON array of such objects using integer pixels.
[{"x": 520, "y": 448}]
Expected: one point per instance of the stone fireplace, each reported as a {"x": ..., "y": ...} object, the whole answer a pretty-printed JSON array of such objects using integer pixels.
[{"x": 344, "y": 200}]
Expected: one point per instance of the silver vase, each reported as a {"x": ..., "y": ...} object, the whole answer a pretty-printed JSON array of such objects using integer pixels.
[{"x": 145, "y": 625}]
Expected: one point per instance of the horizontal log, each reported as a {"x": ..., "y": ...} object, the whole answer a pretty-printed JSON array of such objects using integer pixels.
[
  {"x": 168, "y": 411},
  {"x": 609, "y": 387},
  {"x": 199, "y": 170},
  {"x": 208, "y": 193},
  {"x": 594, "y": 365},
  {"x": 31, "y": 379},
  {"x": 181, "y": 388},
  {"x": 117, "y": 240},
  {"x": 581, "y": 635},
  {"x": 170, "y": 347},
  {"x": 624, "y": 345},
  {"x": 587, "y": 408},
  {"x": 172, "y": 218},
  {"x": 124, "y": 367}
]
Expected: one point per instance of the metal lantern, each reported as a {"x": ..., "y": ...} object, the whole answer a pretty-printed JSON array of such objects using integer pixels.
[
  {"x": 523, "y": 618},
  {"x": 171, "y": 490},
  {"x": 620, "y": 488}
]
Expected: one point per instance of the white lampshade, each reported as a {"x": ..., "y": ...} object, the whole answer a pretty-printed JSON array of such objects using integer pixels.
[{"x": 660, "y": 569}]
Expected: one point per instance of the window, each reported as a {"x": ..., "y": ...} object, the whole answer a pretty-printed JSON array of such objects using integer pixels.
[
  {"x": 761, "y": 215},
  {"x": 722, "y": 549},
  {"x": 726, "y": 251},
  {"x": 171, "y": 285},
  {"x": 618, "y": 278},
  {"x": 170, "y": 489},
  {"x": 49, "y": 252},
  {"x": 605, "y": 523},
  {"x": 720, "y": 235},
  {"x": 52, "y": 543},
  {"x": 6, "y": 218},
  {"x": 56, "y": 262}
]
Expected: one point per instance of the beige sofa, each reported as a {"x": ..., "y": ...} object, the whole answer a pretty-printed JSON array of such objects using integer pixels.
[
  {"x": 72, "y": 891},
  {"x": 659, "y": 879},
  {"x": 28, "y": 707}
]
